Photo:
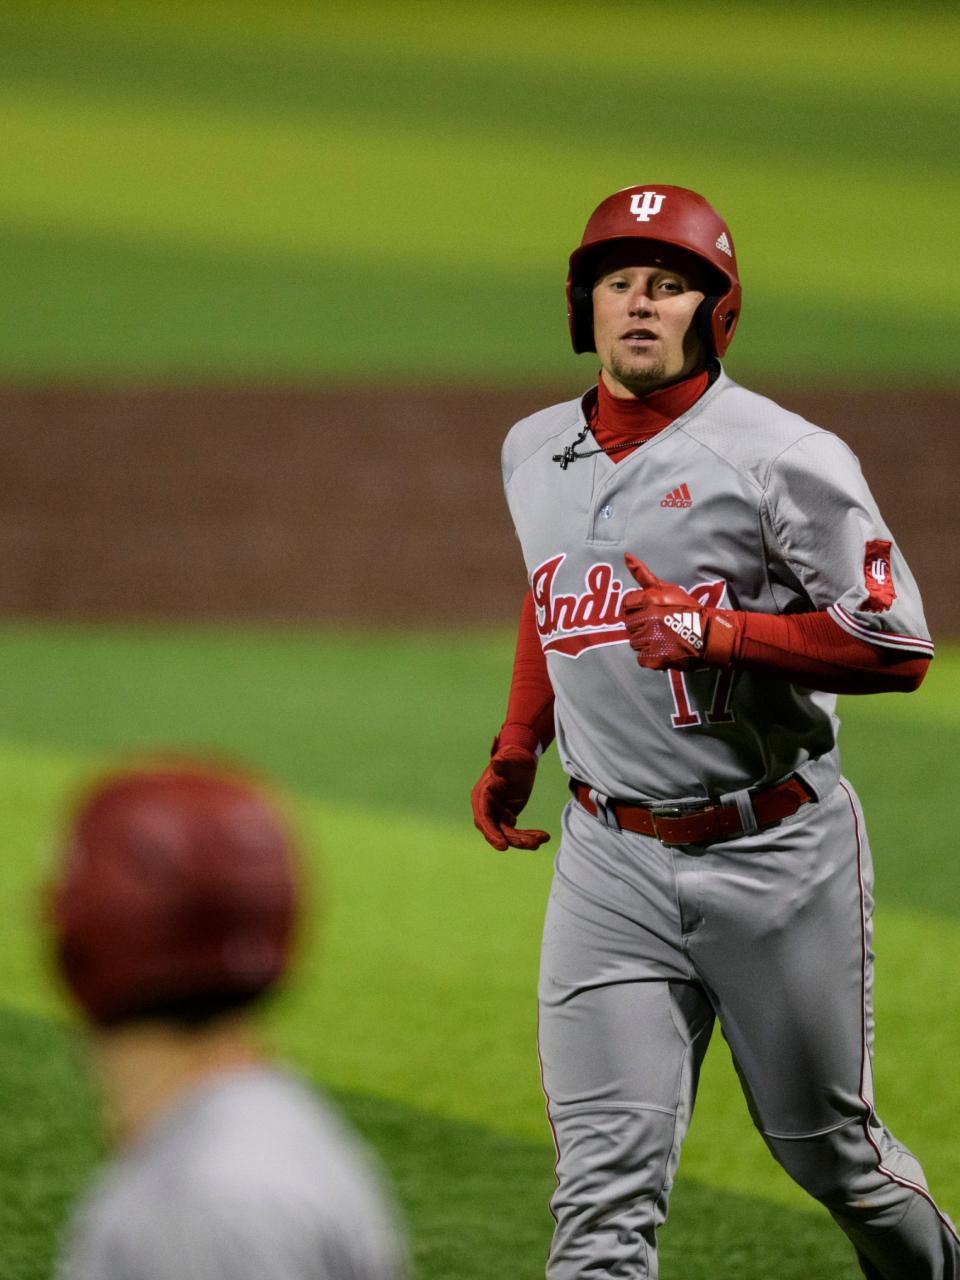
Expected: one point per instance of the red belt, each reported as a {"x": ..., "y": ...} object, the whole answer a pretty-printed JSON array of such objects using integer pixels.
[{"x": 696, "y": 824}]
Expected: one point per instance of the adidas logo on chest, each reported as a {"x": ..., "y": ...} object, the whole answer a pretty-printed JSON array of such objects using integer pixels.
[{"x": 679, "y": 497}]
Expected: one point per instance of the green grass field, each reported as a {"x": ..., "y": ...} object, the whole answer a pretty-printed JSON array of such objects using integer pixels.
[
  {"x": 231, "y": 191},
  {"x": 414, "y": 998}
]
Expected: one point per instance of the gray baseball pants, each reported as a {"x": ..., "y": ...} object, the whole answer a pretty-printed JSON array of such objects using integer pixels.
[{"x": 644, "y": 947}]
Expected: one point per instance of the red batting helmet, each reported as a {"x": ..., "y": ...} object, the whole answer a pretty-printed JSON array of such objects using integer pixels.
[
  {"x": 666, "y": 215},
  {"x": 177, "y": 887}
]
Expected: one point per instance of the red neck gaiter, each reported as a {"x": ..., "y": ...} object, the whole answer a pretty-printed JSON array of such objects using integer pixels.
[{"x": 617, "y": 422}]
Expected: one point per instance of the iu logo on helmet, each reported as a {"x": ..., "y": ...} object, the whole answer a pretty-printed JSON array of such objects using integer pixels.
[{"x": 645, "y": 204}]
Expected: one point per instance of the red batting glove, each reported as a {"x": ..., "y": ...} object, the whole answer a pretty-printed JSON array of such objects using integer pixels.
[
  {"x": 500, "y": 793},
  {"x": 668, "y": 627}
]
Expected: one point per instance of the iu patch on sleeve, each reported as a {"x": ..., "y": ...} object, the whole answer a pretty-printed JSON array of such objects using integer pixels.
[{"x": 878, "y": 577}]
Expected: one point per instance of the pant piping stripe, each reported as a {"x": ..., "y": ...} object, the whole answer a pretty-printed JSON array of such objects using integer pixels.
[
  {"x": 546, "y": 1107},
  {"x": 870, "y": 1112}
]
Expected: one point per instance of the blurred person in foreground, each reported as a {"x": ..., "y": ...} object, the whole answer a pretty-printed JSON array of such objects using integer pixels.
[{"x": 173, "y": 915}]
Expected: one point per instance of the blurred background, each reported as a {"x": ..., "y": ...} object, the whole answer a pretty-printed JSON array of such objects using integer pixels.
[{"x": 277, "y": 279}]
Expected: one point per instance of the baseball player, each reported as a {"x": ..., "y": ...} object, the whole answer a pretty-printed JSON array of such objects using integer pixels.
[
  {"x": 172, "y": 916},
  {"x": 707, "y": 571}
]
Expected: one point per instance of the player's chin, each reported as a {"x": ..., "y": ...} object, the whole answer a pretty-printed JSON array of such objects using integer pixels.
[{"x": 639, "y": 372}]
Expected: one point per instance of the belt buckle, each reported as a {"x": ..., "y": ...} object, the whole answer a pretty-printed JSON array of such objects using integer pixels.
[{"x": 666, "y": 811}]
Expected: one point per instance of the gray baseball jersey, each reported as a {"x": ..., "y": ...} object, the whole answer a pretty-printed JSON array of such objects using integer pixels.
[
  {"x": 645, "y": 947},
  {"x": 747, "y": 506},
  {"x": 250, "y": 1175}
]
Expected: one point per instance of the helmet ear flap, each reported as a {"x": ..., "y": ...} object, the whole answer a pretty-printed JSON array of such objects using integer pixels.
[
  {"x": 581, "y": 316},
  {"x": 703, "y": 322}
]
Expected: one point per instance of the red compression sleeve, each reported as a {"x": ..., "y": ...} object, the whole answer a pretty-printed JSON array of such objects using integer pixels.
[
  {"x": 811, "y": 650},
  {"x": 529, "y": 721}
]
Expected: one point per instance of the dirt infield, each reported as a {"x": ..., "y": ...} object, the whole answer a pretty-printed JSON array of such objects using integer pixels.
[{"x": 312, "y": 505}]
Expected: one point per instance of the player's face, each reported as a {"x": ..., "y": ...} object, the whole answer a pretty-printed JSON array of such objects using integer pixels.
[{"x": 644, "y": 300}]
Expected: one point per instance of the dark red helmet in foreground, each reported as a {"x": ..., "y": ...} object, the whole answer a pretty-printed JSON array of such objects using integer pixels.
[
  {"x": 177, "y": 886},
  {"x": 667, "y": 215}
]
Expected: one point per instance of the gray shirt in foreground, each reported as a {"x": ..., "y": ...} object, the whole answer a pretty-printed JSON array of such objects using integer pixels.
[{"x": 249, "y": 1177}]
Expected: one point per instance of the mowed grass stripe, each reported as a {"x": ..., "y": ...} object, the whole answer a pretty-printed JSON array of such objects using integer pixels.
[
  {"x": 467, "y": 147},
  {"x": 384, "y": 193},
  {"x": 808, "y": 48},
  {"x": 260, "y": 319},
  {"x": 400, "y": 722}
]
